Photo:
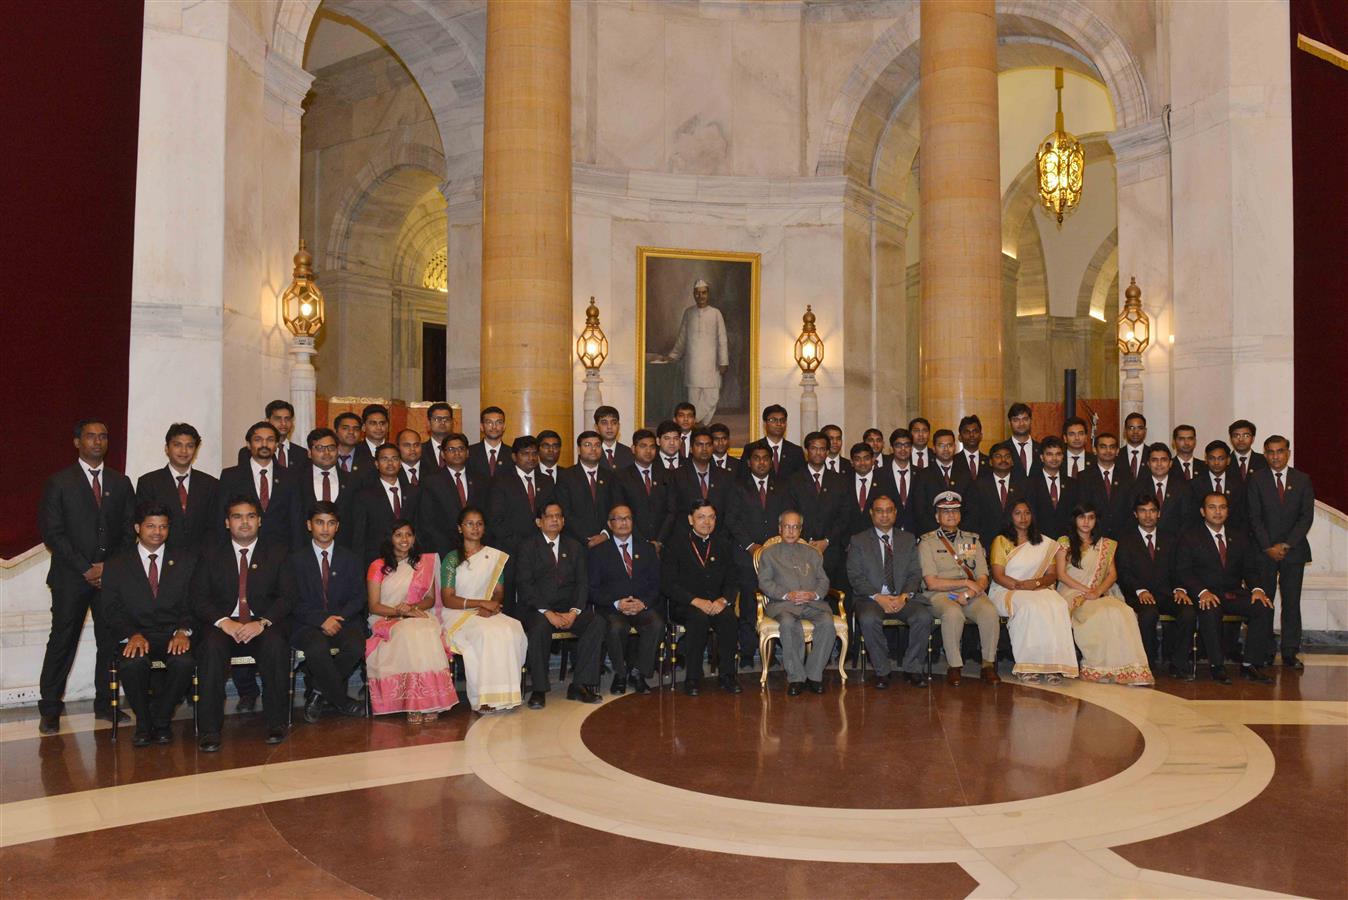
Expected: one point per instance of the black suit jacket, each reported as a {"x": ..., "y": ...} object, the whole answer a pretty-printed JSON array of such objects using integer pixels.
[
  {"x": 510, "y": 518},
  {"x": 686, "y": 487},
  {"x": 1237, "y": 497},
  {"x": 439, "y": 507},
  {"x": 1138, "y": 571},
  {"x": 732, "y": 465},
  {"x": 984, "y": 513},
  {"x": 1198, "y": 566},
  {"x": 544, "y": 582},
  {"x": 190, "y": 529},
  {"x": 1179, "y": 510},
  {"x": 1114, "y": 507},
  {"x": 887, "y": 483},
  {"x": 824, "y": 511},
  {"x": 622, "y": 457},
  {"x": 792, "y": 461},
  {"x": 609, "y": 580},
  {"x": 1126, "y": 460},
  {"x": 477, "y": 460},
  {"x": 1032, "y": 453},
  {"x": 685, "y": 578},
  {"x": 928, "y": 484},
  {"x": 372, "y": 516},
  {"x": 1088, "y": 462},
  {"x": 650, "y": 512},
  {"x": 751, "y": 521},
  {"x": 130, "y": 606},
  {"x": 277, "y": 519},
  {"x": 1257, "y": 462},
  {"x": 1054, "y": 521},
  {"x": 362, "y": 469},
  {"x": 296, "y": 455},
  {"x": 855, "y": 517},
  {"x": 306, "y": 497},
  {"x": 78, "y": 531},
  {"x": 1197, "y": 468},
  {"x": 1285, "y": 521},
  {"x": 844, "y": 465},
  {"x": 961, "y": 466},
  {"x": 271, "y": 584},
  {"x": 586, "y": 515},
  {"x": 346, "y": 596}
]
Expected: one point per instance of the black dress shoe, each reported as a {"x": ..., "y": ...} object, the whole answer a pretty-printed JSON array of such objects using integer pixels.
[
  {"x": 617, "y": 689},
  {"x": 1291, "y": 662},
  {"x": 163, "y": 734},
  {"x": 583, "y": 693},
  {"x": 106, "y": 715},
  {"x": 690, "y": 686},
  {"x": 639, "y": 683},
  {"x": 141, "y": 738},
  {"x": 538, "y": 700},
  {"x": 731, "y": 685},
  {"x": 1178, "y": 673},
  {"x": 246, "y": 704},
  {"x": 916, "y": 679},
  {"x": 353, "y": 708},
  {"x": 276, "y": 735},
  {"x": 794, "y": 688},
  {"x": 209, "y": 743},
  {"x": 881, "y": 682},
  {"x": 1219, "y": 675},
  {"x": 313, "y": 710},
  {"x": 1255, "y": 674},
  {"x": 816, "y": 687},
  {"x": 49, "y": 724}
]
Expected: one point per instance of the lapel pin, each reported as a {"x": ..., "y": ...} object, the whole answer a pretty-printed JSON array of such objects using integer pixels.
[
  {"x": 170, "y": 562},
  {"x": 253, "y": 566}
]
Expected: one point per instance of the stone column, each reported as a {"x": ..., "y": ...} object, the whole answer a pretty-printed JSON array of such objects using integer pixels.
[
  {"x": 526, "y": 216},
  {"x": 960, "y": 219}
]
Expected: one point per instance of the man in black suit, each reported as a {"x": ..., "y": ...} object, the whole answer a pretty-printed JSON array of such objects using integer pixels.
[
  {"x": 720, "y": 449},
  {"x": 85, "y": 518},
  {"x": 1217, "y": 476},
  {"x": 189, "y": 495},
  {"x": 1246, "y": 460},
  {"x": 261, "y": 479},
  {"x": 1220, "y": 568},
  {"x": 835, "y": 461},
  {"x": 347, "y": 428},
  {"x": 329, "y": 609},
  {"x": 698, "y": 580},
  {"x": 697, "y": 479},
  {"x": 288, "y": 454},
  {"x": 755, "y": 506},
  {"x": 1024, "y": 449},
  {"x": 624, "y": 586},
  {"x": 860, "y": 481},
  {"x": 885, "y": 579},
  {"x": 374, "y": 424},
  {"x": 321, "y": 479},
  {"x": 585, "y": 492},
  {"x": 920, "y": 429},
  {"x": 1146, "y": 568},
  {"x": 643, "y": 487},
  {"x": 1185, "y": 441},
  {"x": 970, "y": 463},
  {"x": 549, "y": 454},
  {"x": 444, "y": 493},
  {"x": 409, "y": 453},
  {"x": 822, "y": 499},
  {"x": 896, "y": 478},
  {"x": 1282, "y": 508},
  {"x": 380, "y": 503},
  {"x": 1076, "y": 446},
  {"x": 937, "y": 478},
  {"x": 670, "y": 440},
  {"x": 1171, "y": 491},
  {"x": 994, "y": 495},
  {"x": 553, "y": 595},
  {"x": 440, "y": 421},
  {"x": 1134, "y": 452},
  {"x": 1106, "y": 486},
  {"x": 242, "y": 594},
  {"x": 875, "y": 439},
  {"x": 787, "y": 458},
  {"x": 488, "y": 456},
  {"x": 614, "y": 455},
  {"x": 146, "y": 593},
  {"x": 516, "y": 498},
  {"x": 1050, "y": 492}
]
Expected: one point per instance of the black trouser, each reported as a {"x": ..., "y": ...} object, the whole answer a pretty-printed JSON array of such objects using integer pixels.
[
  {"x": 70, "y": 604},
  {"x": 696, "y": 624},
  {"x": 245, "y": 680},
  {"x": 1148, "y": 614},
  {"x": 589, "y": 631},
  {"x": 870, "y": 622},
  {"x": 650, "y": 625},
  {"x": 1259, "y": 637},
  {"x": 135, "y": 677},
  {"x": 748, "y": 614},
  {"x": 1288, "y": 576},
  {"x": 272, "y": 652},
  {"x": 329, "y": 674},
  {"x": 1176, "y": 638}
]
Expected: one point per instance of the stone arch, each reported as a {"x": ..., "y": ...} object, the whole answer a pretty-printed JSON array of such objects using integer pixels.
[
  {"x": 1023, "y": 192},
  {"x": 405, "y": 170},
  {"x": 1100, "y": 273}
]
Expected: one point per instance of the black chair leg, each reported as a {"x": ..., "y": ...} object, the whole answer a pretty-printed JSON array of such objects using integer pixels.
[{"x": 113, "y": 685}]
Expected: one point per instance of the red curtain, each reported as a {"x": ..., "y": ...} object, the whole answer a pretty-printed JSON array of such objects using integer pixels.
[
  {"x": 1320, "y": 219},
  {"x": 71, "y": 99}
]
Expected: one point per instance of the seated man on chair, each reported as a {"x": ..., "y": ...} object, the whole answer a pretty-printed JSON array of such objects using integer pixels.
[
  {"x": 699, "y": 580},
  {"x": 886, "y": 579},
  {"x": 242, "y": 593},
  {"x": 146, "y": 596},
  {"x": 955, "y": 570},
  {"x": 329, "y": 614},
  {"x": 624, "y": 587},
  {"x": 791, "y": 576}
]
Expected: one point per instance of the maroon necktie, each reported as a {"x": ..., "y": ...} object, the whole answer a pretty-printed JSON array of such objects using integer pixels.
[
  {"x": 945, "y": 474},
  {"x": 182, "y": 492},
  {"x": 1160, "y": 495},
  {"x": 412, "y": 476},
  {"x": 818, "y": 485},
  {"x": 627, "y": 560},
  {"x": 611, "y": 464},
  {"x": 1244, "y": 472},
  {"x": 887, "y": 560},
  {"x": 245, "y": 614},
  {"x": 1135, "y": 462},
  {"x": 1001, "y": 486},
  {"x": 702, "y": 476},
  {"x": 327, "y": 574},
  {"x": 1217, "y": 484},
  {"x": 97, "y": 488},
  {"x": 463, "y": 494},
  {"x": 920, "y": 459},
  {"x": 594, "y": 491},
  {"x": 1221, "y": 548},
  {"x": 861, "y": 496},
  {"x": 973, "y": 465},
  {"x": 397, "y": 504},
  {"x": 1024, "y": 460},
  {"x": 776, "y": 460},
  {"x": 1053, "y": 490},
  {"x": 1187, "y": 474},
  {"x": 646, "y": 476},
  {"x": 1151, "y": 547},
  {"x": 327, "y": 487},
  {"x": 1282, "y": 488},
  {"x": 529, "y": 489},
  {"x": 1076, "y": 466},
  {"x": 345, "y": 462},
  {"x": 281, "y": 456},
  {"x": 491, "y": 462},
  {"x": 154, "y": 575},
  {"x": 763, "y": 493},
  {"x": 263, "y": 492},
  {"x": 903, "y": 487},
  {"x": 1107, "y": 484}
]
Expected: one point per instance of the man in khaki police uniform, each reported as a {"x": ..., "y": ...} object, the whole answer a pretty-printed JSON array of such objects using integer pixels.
[{"x": 955, "y": 572}]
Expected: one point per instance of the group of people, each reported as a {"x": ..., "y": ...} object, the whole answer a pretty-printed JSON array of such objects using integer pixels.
[{"x": 403, "y": 553}]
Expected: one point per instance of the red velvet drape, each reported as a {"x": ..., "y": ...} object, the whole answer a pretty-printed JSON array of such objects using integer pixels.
[
  {"x": 68, "y": 123},
  {"x": 1320, "y": 217}
]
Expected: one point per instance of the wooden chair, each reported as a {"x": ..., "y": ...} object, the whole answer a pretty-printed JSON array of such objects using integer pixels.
[{"x": 769, "y": 630}]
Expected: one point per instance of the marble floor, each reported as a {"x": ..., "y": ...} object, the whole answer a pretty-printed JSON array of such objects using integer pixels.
[{"x": 1081, "y": 790}]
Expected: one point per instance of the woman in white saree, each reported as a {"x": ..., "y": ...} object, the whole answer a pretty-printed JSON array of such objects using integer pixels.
[
  {"x": 1039, "y": 620},
  {"x": 491, "y": 643}
]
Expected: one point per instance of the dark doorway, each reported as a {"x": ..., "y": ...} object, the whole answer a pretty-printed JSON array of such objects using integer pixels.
[{"x": 432, "y": 362}]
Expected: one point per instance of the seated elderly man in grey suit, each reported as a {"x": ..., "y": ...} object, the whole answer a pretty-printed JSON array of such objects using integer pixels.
[
  {"x": 886, "y": 578},
  {"x": 791, "y": 576}
]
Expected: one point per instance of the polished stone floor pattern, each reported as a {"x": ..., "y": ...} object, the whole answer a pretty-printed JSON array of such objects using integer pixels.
[{"x": 1193, "y": 789}]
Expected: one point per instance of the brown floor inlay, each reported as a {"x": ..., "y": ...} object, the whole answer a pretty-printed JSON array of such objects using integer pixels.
[
  {"x": 1315, "y": 683},
  {"x": 864, "y": 748}
]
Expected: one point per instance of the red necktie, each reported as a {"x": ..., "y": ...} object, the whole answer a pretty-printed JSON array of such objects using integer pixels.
[
  {"x": 703, "y": 477},
  {"x": 1187, "y": 474},
  {"x": 1221, "y": 548},
  {"x": 491, "y": 462},
  {"x": 818, "y": 486},
  {"x": 611, "y": 464},
  {"x": 920, "y": 459},
  {"x": 945, "y": 474},
  {"x": 627, "y": 560},
  {"x": 776, "y": 461},
  {"x": 154, "y": 575},
  {"x": 1134, "y": 463},
  {"x": 1243, "y": 471},
  {"x": 594, "y": 493},
  {"x": 327, "y": 487},
  {"x": 1076, "y": 466},
  {"x": 263, "y": 492},
  {"x": 1053, "y": 489},
  {"x": 973, "y": 465},
  {"x": 1001, "y": 483},
  {"x": 281, "y": 456},
  {"x": 98, "y": 489},
  {"x": 463, "y": 494},
  {"x": 1160, "y": 494},
  {"x": 412, "y": 476},
  {"x": 1282, "y": 488},
  {"x": 903, "y": 487},
  {"x": 646, "y": 476},
  {"x": 1151, "y": 547},
  {"x": 1024, "y": 460},
  {"x": 345, "y": 462},
  {"x": 1107, "y": 485},
  {"x": 1217, "y": 484},
  {"x": 763, "y": 493},
  {"x": 327, "y": 574},
  {"x": 529, "y": 489},
  {"x": 182, "y": 492},
  {"x": 861, "y": 496},
  {"x": 245, "y": 614},
  {"x": 397, "y": 504}
]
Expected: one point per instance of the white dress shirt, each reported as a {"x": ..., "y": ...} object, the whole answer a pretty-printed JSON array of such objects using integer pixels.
[
  {"x": 334, "y": 482},
  {"x": 257, "y": 478}
]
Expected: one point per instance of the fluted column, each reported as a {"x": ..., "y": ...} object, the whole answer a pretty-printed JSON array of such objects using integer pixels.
[
  {"x": 526, "y": 216},
  {"x": 960, "y": 216}
]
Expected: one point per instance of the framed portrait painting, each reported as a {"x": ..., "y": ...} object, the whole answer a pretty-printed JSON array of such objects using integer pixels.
[{"x": 697, "y": 337}]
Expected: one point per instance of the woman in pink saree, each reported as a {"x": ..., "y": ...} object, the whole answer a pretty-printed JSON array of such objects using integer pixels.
[{"x": 406, "y": 660}]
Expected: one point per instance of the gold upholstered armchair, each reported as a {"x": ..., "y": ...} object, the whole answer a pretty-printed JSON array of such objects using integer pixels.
[{"x": 769, "y": 631}]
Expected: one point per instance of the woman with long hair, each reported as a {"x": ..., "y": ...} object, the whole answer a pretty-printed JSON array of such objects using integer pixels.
[
  {"x": 1106, "y": 629},
  {"x": 1039, "y": 620},
  {"x": 406, "y": 661}
]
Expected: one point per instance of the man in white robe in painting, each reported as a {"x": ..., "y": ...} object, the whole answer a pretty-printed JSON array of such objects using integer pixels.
[{"x": 703, "y": 347}]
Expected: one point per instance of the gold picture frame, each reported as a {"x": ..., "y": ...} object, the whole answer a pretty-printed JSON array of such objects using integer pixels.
[{"x": 733, "y": 277}]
